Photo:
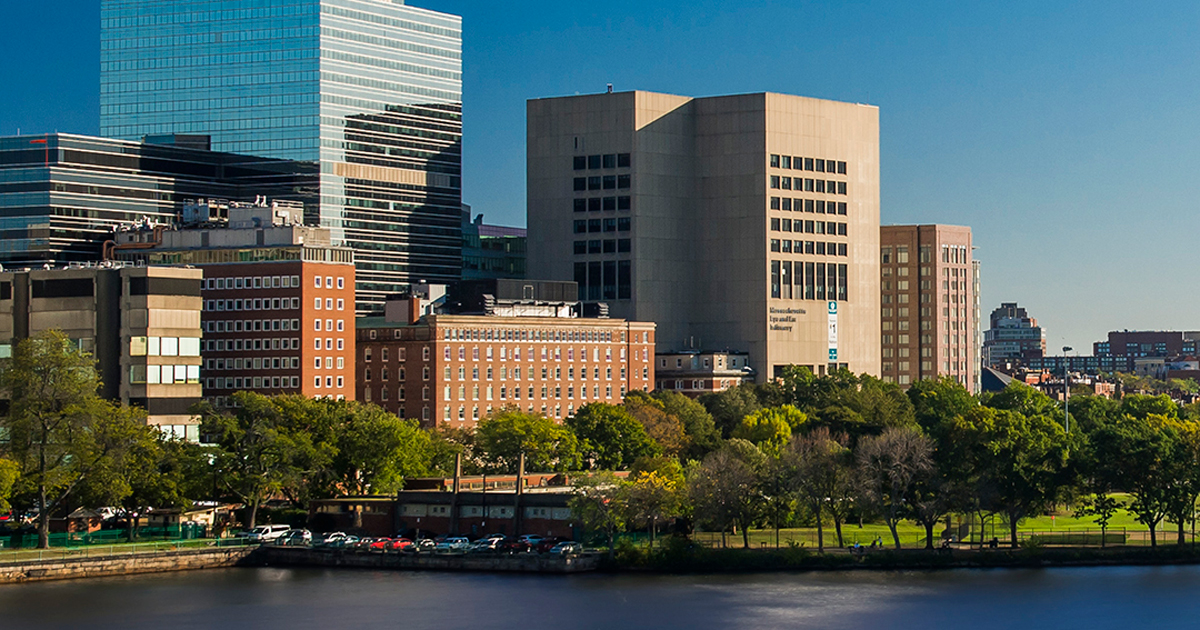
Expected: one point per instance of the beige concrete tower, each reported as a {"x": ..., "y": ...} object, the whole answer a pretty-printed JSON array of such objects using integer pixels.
[
  {"x": 745, "y": 223},
  {"x": 929, "y": 291}
]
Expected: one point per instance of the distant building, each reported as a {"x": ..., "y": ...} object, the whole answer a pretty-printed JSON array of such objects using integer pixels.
[
  {"x": 278, "y": 296},
  {"x": 929, "y": 294},
  {"x": 450, "y": 359},
  {"x": 695, "y": 373},
  {"x": 1013, "y": 337},
  {"x": 1138, "y": 344},
  {"x": 141, "y": 324},
  {"x": 491, "y": 251}
]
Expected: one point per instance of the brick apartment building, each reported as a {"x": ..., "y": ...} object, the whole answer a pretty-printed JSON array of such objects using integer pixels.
[
  {"x": 518, "y": 343},
  {"x": 278, "y": 297}
]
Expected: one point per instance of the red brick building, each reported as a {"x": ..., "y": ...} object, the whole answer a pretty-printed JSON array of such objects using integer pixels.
[{"x": 455, "y": 369}]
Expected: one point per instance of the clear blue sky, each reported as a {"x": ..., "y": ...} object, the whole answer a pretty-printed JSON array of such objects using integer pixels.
[{"x": 1063, "y": 133}]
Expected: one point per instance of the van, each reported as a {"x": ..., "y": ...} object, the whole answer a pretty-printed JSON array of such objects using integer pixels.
[{"x": 265, "y": 533}]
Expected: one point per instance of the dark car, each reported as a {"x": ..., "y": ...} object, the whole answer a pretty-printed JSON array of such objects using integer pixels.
[{"x": 546, "y": 544}]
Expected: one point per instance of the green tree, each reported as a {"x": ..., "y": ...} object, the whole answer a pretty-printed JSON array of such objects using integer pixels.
[
  {"x": 819, "y": 469},
  {"x": 664, "y": 429},
  {"x": 699, "y": 427},
  {"x": 1103, "y": 507},
  {"x": 548, "y": 446},
  {"x": 10, "y": 471},
  {"x": 376, "y": 451},
  {"x": 609, "y": 437},
  {"x": 889, "y": 466},
  {"x": 447, "y": 445},
  {"x": 724, "y": 490},
  {"x": 1024, "y": 400},
  {"x": 65, "y": 440},
  {"x": 651, "y": 497},
  {"x": 1138, "y": 455},
  {"x": 1089, "y": 412},
  {"x": 258, "y": 453},
  {"x": 1140, "y": 406},
  {"x": 598, "y": 502},
  {"x": 728, "y": 407},
  {"x": 771, "y": 428}
]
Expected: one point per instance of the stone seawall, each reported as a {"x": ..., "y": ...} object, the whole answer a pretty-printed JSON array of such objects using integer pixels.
[
  {"x": 516, "y": 563},
  {"x": 155, "y": 562}
]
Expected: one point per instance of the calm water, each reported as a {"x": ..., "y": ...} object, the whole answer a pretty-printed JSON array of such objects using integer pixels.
[{"x": 1091, "y": 599}]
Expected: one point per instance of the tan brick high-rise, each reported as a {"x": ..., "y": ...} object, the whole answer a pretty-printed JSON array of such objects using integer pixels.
[
  {"x": 735, "y": 223},
  {"x": 928, "y": 293}
]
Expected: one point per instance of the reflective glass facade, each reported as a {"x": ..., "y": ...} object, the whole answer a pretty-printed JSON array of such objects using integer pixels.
[
  {"x": 369, "y": 89},
  {"x": 62, "y": 196}
]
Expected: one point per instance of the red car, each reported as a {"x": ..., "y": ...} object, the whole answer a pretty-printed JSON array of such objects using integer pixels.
[
  {"x": 399, "y": 544},
  {"x": 379, "y": 544}
]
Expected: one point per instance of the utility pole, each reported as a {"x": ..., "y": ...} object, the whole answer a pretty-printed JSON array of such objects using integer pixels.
[{"x": 1066, "y": 390}]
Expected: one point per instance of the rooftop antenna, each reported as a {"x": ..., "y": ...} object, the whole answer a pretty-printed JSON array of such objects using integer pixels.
[{"x": 610, "y": 88}]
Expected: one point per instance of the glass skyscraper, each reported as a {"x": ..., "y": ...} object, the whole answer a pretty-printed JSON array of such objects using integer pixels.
[{"x": 371, "y": 90}]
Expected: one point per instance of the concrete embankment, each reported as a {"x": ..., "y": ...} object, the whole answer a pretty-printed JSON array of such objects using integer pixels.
[
  {"x": 130, "y": 564},
  {"x": 516, "y": 563}
]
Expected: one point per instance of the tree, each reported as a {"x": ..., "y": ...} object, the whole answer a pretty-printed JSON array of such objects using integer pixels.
[
  {"x": 819, "y": 472},
  {"x": 258, "y": 454},
  {"x": 609, "y": 438},
  {"x": 1103, "y": 507},
  {"x": 1137, "y": 455},
  {"x": 889, "y": 466},
  {"x": 724, "y": 490},
  {"x": 1140, "y": 406},
  {"x": 771, "y": 428},
  {"x": 599, "y": 504},
  {"x": 62, "y": 436},
  {"x": 376, "y": 451},
  {"x": 448, "y": 444},
  {"x": 504, "y": 436},
  {"x": 729, "y": 406},
  {"x": 666, "y": 430},
  {"x": 699, "y": 427},
  {"x": 652, "y": 497},
  {"x": 9, "y": 472}
]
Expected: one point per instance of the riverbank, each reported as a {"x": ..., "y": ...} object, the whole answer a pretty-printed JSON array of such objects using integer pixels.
[
  {"x": 682, "y": 557},
  {"x": 70, "y": 568},
  {"x": 484, "y": 563}
]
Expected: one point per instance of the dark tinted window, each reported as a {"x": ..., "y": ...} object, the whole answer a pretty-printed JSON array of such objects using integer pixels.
[
  {"x": 80, "y": 287},
  {"x": 580, "y": 162},
  {"x": 593, "y": 161}
]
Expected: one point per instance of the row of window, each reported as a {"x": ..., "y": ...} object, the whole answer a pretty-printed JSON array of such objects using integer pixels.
[
  {"x": 816, "y": 248},
  {"x": 606, "y": 204},
  {"x": 807, "y": 185},
  {"x": 602, "y": 182},
  {"x": 610, "y": 246},
  {"x": 242, "y": 345},
  {"x": 621, "y": 224},
  {"x": 807, "y": 164},
  {"x": 164, "y": 374},
  {"x": 329, "y": 304},
  {"x": 604, "y": 280},
  {"x": 491, "y": 334},
  {"x": 608, "y": 160},
  {"x": 164, "y": 346},
  {"x": 256, "y": 382},
  {"x": 546, "y": 392},
  {"x": 547, "y": 354},
  {"x": 256, "y": 363},
  {"x": 251, "y": 325},
  {"x": 816, "y": 206},
  {"x": 517, "y": 373},
  {"x": 808, "y": 227},
  {"x": 812, "y": 281},
  {"x": 256, "y": 304},
  {"x": 272, "y": 282},
  {"x": 341, "y": 325}
]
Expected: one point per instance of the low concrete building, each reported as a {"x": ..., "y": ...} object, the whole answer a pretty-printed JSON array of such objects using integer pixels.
[
  {"x": 142, "y": 324},
  {"x": 695, "y": 373}
]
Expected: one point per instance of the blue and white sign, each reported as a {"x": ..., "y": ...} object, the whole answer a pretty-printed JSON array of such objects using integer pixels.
[{"x": 833, "y": 331}]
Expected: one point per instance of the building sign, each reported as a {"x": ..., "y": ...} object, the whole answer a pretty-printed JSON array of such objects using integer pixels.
[{"x": 833, "y": 332}]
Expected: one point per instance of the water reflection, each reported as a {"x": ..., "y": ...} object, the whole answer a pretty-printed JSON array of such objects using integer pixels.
[{"x": 1094, "y": 598}]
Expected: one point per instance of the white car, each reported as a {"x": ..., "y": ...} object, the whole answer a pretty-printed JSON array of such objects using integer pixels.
[
  {"x": 265, "y": 533},
  {"x": 456, "y": 543}
]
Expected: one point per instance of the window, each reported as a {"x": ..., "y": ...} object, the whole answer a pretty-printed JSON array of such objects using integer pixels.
[{"x": 580, "y": 162}]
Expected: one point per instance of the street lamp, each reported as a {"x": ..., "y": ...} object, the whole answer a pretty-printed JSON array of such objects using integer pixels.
[{"x": 1066, "y": 390}]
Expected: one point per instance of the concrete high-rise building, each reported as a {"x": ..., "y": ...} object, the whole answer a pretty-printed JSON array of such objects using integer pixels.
[
  {"x": 1013, "y": 337},
  {"x": 746, "y": 223},
  {"x": 369, "y": 90},
  {"x": 929, "y": 293}
]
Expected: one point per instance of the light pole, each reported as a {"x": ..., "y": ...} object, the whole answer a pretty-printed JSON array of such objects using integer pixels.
[{"x": 1066, "y": 390}]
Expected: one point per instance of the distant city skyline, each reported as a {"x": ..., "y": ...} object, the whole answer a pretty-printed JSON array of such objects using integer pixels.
[{"x": 1062, "y": 135}]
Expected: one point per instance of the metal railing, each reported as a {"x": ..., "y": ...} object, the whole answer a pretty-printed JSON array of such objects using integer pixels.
[{"x": 25, "y": 556}]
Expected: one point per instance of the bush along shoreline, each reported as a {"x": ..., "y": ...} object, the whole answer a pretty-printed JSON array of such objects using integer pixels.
[{"x": 680, "y": 555}]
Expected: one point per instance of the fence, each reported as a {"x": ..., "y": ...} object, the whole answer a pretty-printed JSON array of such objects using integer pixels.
[
  {"x": 1072, "y": 537},
  {"x": 22, "y": 556},
  {"x": 29, "y": 539}
]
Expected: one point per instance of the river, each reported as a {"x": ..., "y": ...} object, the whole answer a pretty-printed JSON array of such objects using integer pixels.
[{"x": 292, "y": 599}]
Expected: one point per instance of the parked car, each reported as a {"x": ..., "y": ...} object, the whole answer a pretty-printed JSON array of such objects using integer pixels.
[
  {"x": 295, "y": 538},
  {"x": 399, "y": 544},
  {"x": 424, "y": 545},
  {"x": 453, "y": 544},
  {"x": 329, "y": 539},
  {"x": 485, "y": 545},
  {"x": 265, "y": 533},
  {"x": 566, "y": 548},
  {"x": 376, "y": 544},
  {"x": 546, "y": 544}
]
